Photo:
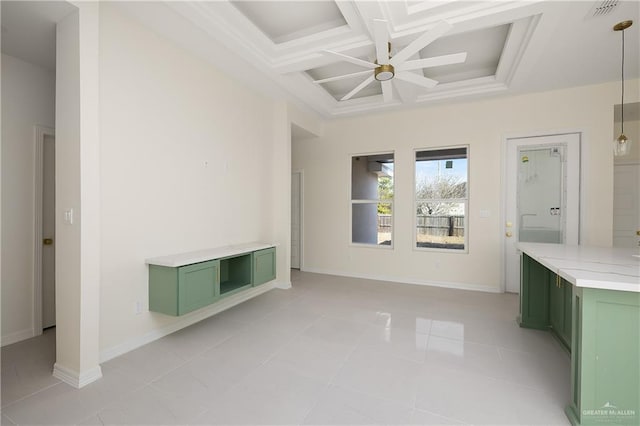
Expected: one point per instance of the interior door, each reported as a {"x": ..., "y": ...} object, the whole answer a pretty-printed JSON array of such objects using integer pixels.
[
  {"x": 542, "y": 196},
  {"x": 296, "y": 180},
  {"x": 626, "y": 212},
  {"x": 48, "y": 233}
]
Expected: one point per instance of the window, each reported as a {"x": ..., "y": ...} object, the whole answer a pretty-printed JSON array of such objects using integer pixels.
[
  {"x": 441, "y": 198},
  {"x": 372, "y": 199}
]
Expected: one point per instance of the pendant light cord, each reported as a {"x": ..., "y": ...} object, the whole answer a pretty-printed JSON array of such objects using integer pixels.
[{"x": 622, "y": 95}]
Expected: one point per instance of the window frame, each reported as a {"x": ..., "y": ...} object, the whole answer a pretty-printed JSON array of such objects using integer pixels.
[
  {"x": 370, "y": 201},
  {"x": 465, "y": 200}
]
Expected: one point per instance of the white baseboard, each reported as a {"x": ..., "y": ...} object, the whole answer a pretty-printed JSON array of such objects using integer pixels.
[
  {"x": 74, "y": 378},
  {"x": 184, "y": 321},
  {"x": 283, "y": 285},
  {"x": 404, "y": 280},
  {"x": 17, "y": 336}
]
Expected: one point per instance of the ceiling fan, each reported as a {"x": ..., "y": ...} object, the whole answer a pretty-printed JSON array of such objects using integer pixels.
[{"x": 386, "y": 68}]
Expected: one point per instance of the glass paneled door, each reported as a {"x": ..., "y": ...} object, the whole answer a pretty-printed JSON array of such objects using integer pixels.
[{"x": 542, "y": 196}]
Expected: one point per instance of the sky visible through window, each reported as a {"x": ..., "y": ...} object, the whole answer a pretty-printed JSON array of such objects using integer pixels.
[{"x": 428, "y": 169}]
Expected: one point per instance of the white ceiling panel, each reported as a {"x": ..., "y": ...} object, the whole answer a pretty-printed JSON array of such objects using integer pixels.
[
  {"x": 284, "y": 21},
  {"x": 484, "y": 48}
]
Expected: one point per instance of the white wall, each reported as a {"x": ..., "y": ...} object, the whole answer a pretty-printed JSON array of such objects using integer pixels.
[
  {"x": 482, "y": 124},
  {"x": 28, "y": 99},
  {"x": 186, "y": 162},
  {"x": 77, "y": 189}
]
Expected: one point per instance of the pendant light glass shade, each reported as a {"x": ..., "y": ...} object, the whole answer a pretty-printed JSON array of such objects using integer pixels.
[{"x": 622, "y": 144}]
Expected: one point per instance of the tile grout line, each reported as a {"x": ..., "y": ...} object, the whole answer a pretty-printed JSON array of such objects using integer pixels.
[
  {"x": 262, "y": 363},
  {"x": 34, "y": 393},
  {"x": 331, "y": 383}
]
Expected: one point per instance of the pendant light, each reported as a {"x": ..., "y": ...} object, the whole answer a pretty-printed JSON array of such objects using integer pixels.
[{"x": 622, "y": 145}]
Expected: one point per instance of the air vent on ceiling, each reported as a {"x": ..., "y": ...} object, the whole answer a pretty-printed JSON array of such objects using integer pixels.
[{"x": 603, "y": 8}]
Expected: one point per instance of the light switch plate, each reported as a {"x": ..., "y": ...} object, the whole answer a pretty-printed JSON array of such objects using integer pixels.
[{"x": 68, "y": 216}]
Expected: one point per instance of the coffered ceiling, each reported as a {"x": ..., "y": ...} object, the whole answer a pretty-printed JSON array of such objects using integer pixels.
[
  {"x": 511, "y": 46},
  {"x": 280, "y": 47},
  {"x": 290, "y": 39}
]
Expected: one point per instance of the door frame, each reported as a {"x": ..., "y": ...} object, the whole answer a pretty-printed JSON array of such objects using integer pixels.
[
  {"x": 503, "y": 186},
  {"x": 39, "y": 134},
  {"x": 301, "y": 219}
]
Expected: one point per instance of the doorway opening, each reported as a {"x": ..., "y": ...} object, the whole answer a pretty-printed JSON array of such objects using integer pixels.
[
  {"x": 296, "y": 219},
  {"x": 44, "y": 310}
]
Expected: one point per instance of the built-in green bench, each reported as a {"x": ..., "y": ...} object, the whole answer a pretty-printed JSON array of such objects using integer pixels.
[{"x": 185, "y": 282}]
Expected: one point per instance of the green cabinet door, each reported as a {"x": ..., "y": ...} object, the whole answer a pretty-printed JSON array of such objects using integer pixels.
[
  {"x": 264, "y": 266},
  {"x": 198, "y": 285},
  {"x": 534, "y": 294},
  {"x": 178, "y": 290},
  {"x": 556, "y": 303},
  {"x": 560, "y": 294}
]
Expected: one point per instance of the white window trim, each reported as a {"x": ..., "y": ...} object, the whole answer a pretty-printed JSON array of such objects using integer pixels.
[
  {"x": 447, "y": 200},
  {"x": 367, "y": 201}
]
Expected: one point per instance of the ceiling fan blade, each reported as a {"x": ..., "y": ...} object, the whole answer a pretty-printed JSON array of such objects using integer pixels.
[
  {"x": 455, "y": 58},
  {"x": 416, "y": 79},
  {"x": 358, "y": 88},
  {"x": 353, "y": 60},
  {"x": 421, "y": 42},
  {"x": 342, "y": 77},
  {"x": 381, "y": 37},
  {"x": 387, "y": 91}
]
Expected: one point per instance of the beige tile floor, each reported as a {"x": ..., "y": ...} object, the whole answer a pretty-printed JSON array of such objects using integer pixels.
[{"x": 331, "y": 350}]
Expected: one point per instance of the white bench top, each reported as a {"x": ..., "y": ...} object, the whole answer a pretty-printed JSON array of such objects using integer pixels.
[{"x": 198, "y": 256}]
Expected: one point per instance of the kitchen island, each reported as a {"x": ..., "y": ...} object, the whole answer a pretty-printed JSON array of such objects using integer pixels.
[{"x": 589, "y": 297}]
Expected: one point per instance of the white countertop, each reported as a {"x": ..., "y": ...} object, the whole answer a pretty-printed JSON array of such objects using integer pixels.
[
  {"x": 189, "y": 258},
  {"x": 609, "y": 268}
]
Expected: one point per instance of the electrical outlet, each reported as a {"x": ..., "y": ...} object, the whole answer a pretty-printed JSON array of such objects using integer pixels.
[{"x": 138, "y": 307}]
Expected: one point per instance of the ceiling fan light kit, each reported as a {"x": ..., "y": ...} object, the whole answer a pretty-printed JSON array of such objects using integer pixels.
[
  {"x": 622, "y": 144},
  {"x": 384, "y": 72},
  {"x": 387, "y": 69}
]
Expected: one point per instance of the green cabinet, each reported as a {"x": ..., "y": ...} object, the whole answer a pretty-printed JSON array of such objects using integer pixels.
[
  {"x": 176, "y": 291},
  {"x": 545, "y": 300},
  {"x": 264, "y": 266},
  {"x": 605, "y": 366},
  {"x": 601, "y": 329},
  {"x": 534, "y": 294}
]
